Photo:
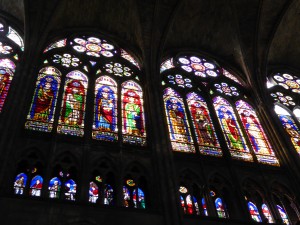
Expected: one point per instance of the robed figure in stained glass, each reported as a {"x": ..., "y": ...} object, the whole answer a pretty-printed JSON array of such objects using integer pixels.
[
  {"x": 255, "y": 133},
  {"x": 177, "y": 120},
  {"x": 44, "y": 99},
  {"x": 73, "y": 103},
  {"x": 105, "y": 109},
  {"x": 292, "y": 130},
  {"x": 230, "y": 127},
  {"x": 133, "y": 119},
  {"x": 4, "y": 85},
  {"x": 203, "y": 124}
]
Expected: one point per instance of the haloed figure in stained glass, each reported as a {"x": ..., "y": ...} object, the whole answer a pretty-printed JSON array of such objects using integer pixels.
[
  {"x": 230, "y": 126},
  {"x": 44, "y": 99},
  {"x": 105, "y": 106},
  {"x": 202, "y": 123},
  {"x": 254, "y": 132},
  {"x": 73, "y": 106},
  {"x": 133, "y": 114},
  {"x": 291, "y": 129},
  {"x": 176, "y": 116}
]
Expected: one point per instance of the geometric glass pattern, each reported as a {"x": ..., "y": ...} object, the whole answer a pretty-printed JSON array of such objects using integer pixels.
[
  {"x": 224, "y": 88},
  {"x": 166, "y": 65},
  {"x": 231, "y": 129},
  {"x": 230, "y": 76},
  {"x": 200, "y": 67},
  {"x": 66, "y": 60},
  {"x": 72, "y": 112},
  {"x": 203, "y": 127},
  {"x": 57, "y": 44},
  {"x": 41, "y": 113},
  {"x": 118, "y": 69},
  {"x": 180, "y": 81},
  {"x": 129, "y": 58},
  {"x": 283, "y": 99},
  {"x": 133, "y": 122},
  {"x": 179, "y": 128},
  {"x": 288, "y": 81},
  {"x": 290, "y": 126},
  {"x": 255, "y": 133},
  {"x": 254, "y": 212},
  {"x": 105, "y": 109}
]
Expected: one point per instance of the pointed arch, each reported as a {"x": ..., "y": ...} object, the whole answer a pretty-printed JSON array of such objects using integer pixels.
[
  {"x": 133, "y": 121},
  {"x": 71, "y": 120},
  {"x": 231, "y": 129},
  {"x": 105, "y": 126},
  {"x": 42, "y": 110},
  {"x": 179, "y": 128},
  {"x": 258, "y": 139}
]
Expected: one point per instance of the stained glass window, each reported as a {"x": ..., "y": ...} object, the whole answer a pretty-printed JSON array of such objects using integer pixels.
[
  {"x": 57, "y": 44},
  {"x": 283, "y": 214},
  {"x": 133, "y": 122},
  {"x": 290, "y": 126},
  {"x": 254, "y": 212},
  {"x": 220, "y": 208},
  {"x": 133, "y": 196},
  {"x": 256, "y": 134},
  {"x": 128, "y": 57},
  {"x": 166, "y": 65},
  {"x": 189, "y": 203},
  {"x": 72, "y": 113},
  {"x": 41, "y": 113},
  {"x": 231, "y": 129},
  {"x": 203, "y": 126},
  {"x": 287, "y": 81},
  {"x": 297, "y": 113},
  {"x": 54, "y": 187},
  {"x": 267, "y": 213},
  {"x": 204, "y": 207},
  {"x": 36, "y": 185},
  {"x": 108, "y": 195},
  {"x": 105, "y": 109},
  {"x": 11, "y": 45},
  {"x": 93, "y": 192},
  {"x": 20, "y": 183},
  {"x": 179, "y": 129},
  {"x": 70, "y": 190},
  {"x": 199, "y": 66},
  {"x": 230, "y": 76}
]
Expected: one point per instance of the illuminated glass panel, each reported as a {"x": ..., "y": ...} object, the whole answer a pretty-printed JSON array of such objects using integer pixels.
[
  {"x": 267, "y": 213},
  {"x": 54, "y": 188},
  {"x": 66, "y": 60},
  {"x": 205, "y": 212},
  {"x": 7, "y": 63},
  {"x": 118, "y": 69},
  {"x": 182, "y": 204},
  {"x": 126, "y": 197},
  {"x": 254, "y": 212},
  {"x": 105, "y": 109},
  {"x": 6, "y": 76},
  {"x": 128, "y": 57},
  {"x": 133, "y": 122},
  {"x": 36, "y": 185},
  {"x": 71, "y": 119},
  {"x": 166, "y": 65},
  {"x": 283, "y": 215},
  {"x": 57, "y": 44},
  {"x": 283, "y": 99},
  {"x": 220, "y": 208},
  {"x": 297, "y": 114},
  {"x": 179, "y": 129},
  {"x": 231, "y": 130},
  {"x": 199, "y": 66},
  {"x": 289, "y": 126},
  {"x": 287, "y": 81},
  {"x": 108, "y": 195},
  {"x": 139, "y": 199},
  {"x": 204, "y": 129},
  {"x": 256, "y": 134},
  {"x": 41, "y": 114},
  {"x": 230, "y": 76},
  {"x": 196, "y": 206},
  {"x": 15, "y": 37},
  {"x": 180, "y": 81},
  {"x": 225, "y": 89},
  {"x": 70, "y": 190},
  {"x": 189, "y": 204},
  {"x": 93, "y": 192},
  {"x": 93, "y": 46},
  {"x": 5, "y": 49},
  {"x": 20, "y": 183}
]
